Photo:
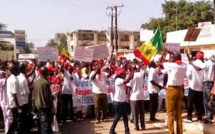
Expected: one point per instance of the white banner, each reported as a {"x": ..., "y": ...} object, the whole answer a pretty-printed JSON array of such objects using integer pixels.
[
  {"x": 82, "y": 92},
  {"x": 172, "y": 47},
  {"x": 83, "y": 54},
  {"x": 47, "y": 53}
]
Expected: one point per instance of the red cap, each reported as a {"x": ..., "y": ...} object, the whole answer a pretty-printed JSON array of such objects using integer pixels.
[
  {"x": 66, "y": 65},
  {"x": 51, "y": 68},
  {"x": 199, "y": 55}
]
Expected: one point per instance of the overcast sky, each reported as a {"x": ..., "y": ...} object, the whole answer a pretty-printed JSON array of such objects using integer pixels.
[{"x": 41, "y": 19}]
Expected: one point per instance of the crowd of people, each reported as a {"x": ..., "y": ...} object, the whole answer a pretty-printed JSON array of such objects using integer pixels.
[{"x": 27, "y": 91}]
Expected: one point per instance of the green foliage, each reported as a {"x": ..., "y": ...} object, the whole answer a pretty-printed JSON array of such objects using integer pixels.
[
  {"x": 181, "y": 15},
  {"x": 27, "y": 49},
  {"x": 60, "y": 40}
]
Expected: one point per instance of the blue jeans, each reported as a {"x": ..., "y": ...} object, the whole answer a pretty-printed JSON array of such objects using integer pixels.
[
  {"x": 45, "y": 115},
  {"x": 120, "y": 110},
  {"x": 206, "y": 98}
]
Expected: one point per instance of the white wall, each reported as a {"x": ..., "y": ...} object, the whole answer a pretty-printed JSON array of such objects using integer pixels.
[{"x": 178, "y": 37}]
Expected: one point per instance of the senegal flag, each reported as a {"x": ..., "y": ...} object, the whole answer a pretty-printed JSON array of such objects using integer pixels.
[
  {"x": 64, "y": 54},
  {"x": 148, "y": 49}
]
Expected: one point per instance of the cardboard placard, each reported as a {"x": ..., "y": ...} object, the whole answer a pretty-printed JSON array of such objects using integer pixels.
[
  {"x": 83, "y": 54},
  {"x": 172, "y": 47},
  {"x": 192, "y": 34},
  {"x": 100, "y": 51},
  {"x": 47, "y": 53}
]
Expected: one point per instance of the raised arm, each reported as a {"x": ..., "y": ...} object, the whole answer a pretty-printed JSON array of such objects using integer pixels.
[{"x": 28, "y": 74}]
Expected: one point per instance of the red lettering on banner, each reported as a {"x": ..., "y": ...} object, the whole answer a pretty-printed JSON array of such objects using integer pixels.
[{"x": 83, "y": 92}]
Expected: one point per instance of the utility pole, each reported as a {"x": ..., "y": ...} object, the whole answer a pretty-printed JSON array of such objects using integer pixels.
[
  {"x": 111, "y": 28},
  {"x": 111, "y": 31},
  {"x": 116, "y": 31}
]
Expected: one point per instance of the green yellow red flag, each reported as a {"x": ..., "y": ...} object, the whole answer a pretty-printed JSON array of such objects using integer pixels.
[{"x": 148, "y": 49}]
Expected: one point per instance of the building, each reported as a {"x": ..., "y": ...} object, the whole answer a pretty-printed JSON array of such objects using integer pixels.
[
  {"x": 205, "y": 41},
  {"x": 127, "y": 40},
  {"x": 6, "y": 50}
]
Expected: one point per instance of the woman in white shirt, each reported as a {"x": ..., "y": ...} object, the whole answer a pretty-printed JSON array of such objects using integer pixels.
[{"x": 119, "y": 101}]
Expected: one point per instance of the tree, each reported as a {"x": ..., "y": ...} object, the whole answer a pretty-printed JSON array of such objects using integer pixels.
[
  {"x": 181, "y": 15},
  {"x": 27, "y": 49},
  {"x": 60, "y": 40},
  {"x": 52, "y": 43}
]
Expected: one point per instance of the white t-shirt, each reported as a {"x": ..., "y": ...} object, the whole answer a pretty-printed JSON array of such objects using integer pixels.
[
  {"x": 13, "y": 88},
  {"x": 23, "y": 82},
  {"x": 176, "y": 73},
  {"x": 195, "y": 78},
  {"x": 67, "y": 83},
  {"x": 208, "y": 68},
  {"x": 120, "y": 92},
  {"x": 99, "y": 83},
  {"x": 136, "y": 85},
  {"x": 152, "y": 76}
]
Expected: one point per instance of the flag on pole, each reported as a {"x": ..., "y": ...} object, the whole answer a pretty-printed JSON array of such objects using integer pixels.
[
  {"x": 148, "y": 49},
  {"x": 64, "y": 54}
]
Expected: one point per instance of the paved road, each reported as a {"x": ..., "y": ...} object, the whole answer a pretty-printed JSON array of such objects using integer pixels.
[{"x": 89, "y": 127}]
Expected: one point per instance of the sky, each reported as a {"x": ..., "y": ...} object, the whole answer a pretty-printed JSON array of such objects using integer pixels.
[{"x": 42, "y": 19}]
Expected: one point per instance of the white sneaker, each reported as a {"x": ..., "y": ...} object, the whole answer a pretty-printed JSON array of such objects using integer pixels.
[{"x": 187, "y": 120}]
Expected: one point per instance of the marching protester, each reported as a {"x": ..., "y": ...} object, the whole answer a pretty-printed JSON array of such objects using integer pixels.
[
  {"x": 174, "y": 96},
  {"x": 66, "y": 95},
  {"x": 99, "y": 89},
  {"x": 15, "y": 100},
  {"x": 208, "y": 68},
  {"x": 43, "y": 101},
  {"x": 120, "y": 97},
  {"x": 7, "y": 115},
  {"x": 195, "y": 95},
  {"x": 81, "y": 111},
  {"x": 208, "y": 81},
  {"x": 136, "y": 97},
  {"x": 153, "y": 88},
  {"x": 25, "y": 93}
]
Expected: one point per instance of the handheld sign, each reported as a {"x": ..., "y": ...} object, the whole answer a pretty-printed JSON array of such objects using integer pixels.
[
  {"x": 47, "y": 53},
  {"x": 192, "y": 34},
  {"x": 83, "y": 54},
  {"x": 172, "y": 47}
]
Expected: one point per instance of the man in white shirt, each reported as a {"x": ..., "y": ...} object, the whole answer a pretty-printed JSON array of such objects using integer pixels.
[
  {"x": 67, "y": 90},
  {"x": 23, "y": 83},
  {"x": 137, "y": 98},
  {"x": 195, "y": 95},
  {"x": 15, "y": 101},
  {"x": 153, "y": 88},
  {"x": 208, "y": 82},
  {"x": 174, "y": 96},
  {"x": 99, "y": 89}
]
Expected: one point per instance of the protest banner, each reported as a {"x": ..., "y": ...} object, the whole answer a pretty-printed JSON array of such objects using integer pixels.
[
  {"x": 99, "y": 51},
  {"x": 172, "y": 47},
  {"x": 82, "y": 92},
  {"x": 47, "y": 53},
  {"x": 83, "y": 54}
]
